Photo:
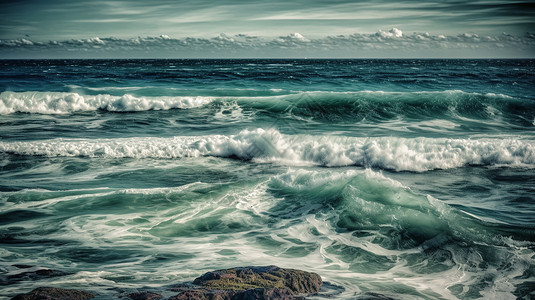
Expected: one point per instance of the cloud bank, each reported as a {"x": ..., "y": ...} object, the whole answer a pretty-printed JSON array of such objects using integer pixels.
[{"x": 383, "y": 43}]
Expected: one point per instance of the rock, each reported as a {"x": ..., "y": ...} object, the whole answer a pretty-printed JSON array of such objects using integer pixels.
[
  {"x": 251, "y": 294},
  {"x": 250, "y": 283},
  {"x": 202, "y": 294},
  {"x": 267, "y": 294},
  {"x": 299, "y": 282},
  {"x": 247, "y": 283},
  {"x": 50, "y": 293},
  {"x": 145, "y": 296}
]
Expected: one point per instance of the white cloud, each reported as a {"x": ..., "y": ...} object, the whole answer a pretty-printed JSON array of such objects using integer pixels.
[
  {"x": 26, "y": 42},
  {"x": 247, "y": 46},
  {"x": 95, "y": 40},
  {"x": 299, "y": 37},
  {"x": 392, "y": 33}
]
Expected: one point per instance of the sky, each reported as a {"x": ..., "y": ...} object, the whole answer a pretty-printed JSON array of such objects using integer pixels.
[{"x": 277, "y": 28}]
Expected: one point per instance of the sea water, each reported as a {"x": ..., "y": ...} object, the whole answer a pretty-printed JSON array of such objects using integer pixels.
[{"x": 413, "y": 179}]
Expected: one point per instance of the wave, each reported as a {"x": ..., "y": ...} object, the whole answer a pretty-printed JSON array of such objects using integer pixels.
[
  {"x": 371, "y": 223},
  {"x": 270, "y": 146},
  {"x": 64, "y": 103},
  {"x": 149, "y": 90},
  {"x": 366, "y": 198},
  {"x": 352, "y": 106},
  {"x": 378, "y": 106}
]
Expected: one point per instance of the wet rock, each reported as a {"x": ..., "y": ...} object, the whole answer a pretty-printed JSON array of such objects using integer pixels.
[
  {"x": 145, "y": 296},
  {"x": 276, "y": 293},
  {"x": 202, "y": 294},
  {"x": 50, "y": 293},
  {"x": 251, "y": 294},
  {"x": 246, "y": 283},
  {"x": 297, "y": 281}
]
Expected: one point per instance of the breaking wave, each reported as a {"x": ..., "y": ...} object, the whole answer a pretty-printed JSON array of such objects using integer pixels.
[
  {"x": 334, "y": 106},
  {"x": 64, "y": 103},
  {"x": 260, "y": 145}
]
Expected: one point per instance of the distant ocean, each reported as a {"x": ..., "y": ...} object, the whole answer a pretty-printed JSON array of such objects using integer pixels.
[{"x": 414, "y": 179}]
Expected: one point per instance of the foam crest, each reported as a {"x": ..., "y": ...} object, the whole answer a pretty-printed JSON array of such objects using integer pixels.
[
  {"x": 317, "y": 104},
  {"x": 399, "y": 231},
  {"x": 63, "y": 103},
  {"x": 392, "y": 153}
]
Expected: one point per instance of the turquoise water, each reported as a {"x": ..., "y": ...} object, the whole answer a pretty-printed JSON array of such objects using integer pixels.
[{"x": 409, "y": 178}]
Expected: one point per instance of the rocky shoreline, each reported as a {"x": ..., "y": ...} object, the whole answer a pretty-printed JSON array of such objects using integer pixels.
[
  {"x": 240, "y": 283},
  {"x": 266, "y": 282}
]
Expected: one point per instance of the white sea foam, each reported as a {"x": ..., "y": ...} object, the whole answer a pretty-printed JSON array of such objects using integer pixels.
[
  {"x": 62, "y": 103},
  {"x": 401, "y": 154},
  {"x": 331, "y": 252}
]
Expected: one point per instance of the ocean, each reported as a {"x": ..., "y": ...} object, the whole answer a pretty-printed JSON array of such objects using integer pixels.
[{"x": 413, "y": 179}]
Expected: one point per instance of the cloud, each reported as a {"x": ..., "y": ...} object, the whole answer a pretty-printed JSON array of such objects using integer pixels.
[
  {"x": 62, "y": 19},
  {"x": 392, "y": 33},
  {"x": 294, "y": 40},
  {"x": 243, "y": 45}
]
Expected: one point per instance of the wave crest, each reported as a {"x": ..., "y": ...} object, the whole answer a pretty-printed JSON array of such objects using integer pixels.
[
  {"x": 316, "y": 104},
  {"x": 392, "y": 153},
  {"x": 63, "y": 103}
]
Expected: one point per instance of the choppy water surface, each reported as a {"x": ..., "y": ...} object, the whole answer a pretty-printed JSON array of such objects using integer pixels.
[{"x": 410, "y": 178}]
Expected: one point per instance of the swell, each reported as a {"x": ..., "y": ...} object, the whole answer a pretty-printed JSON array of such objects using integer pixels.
[
  {"x": 377, "y": 106},
  {"x": 333, "y": 106},
  {"x": 392, "y": 153}
]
